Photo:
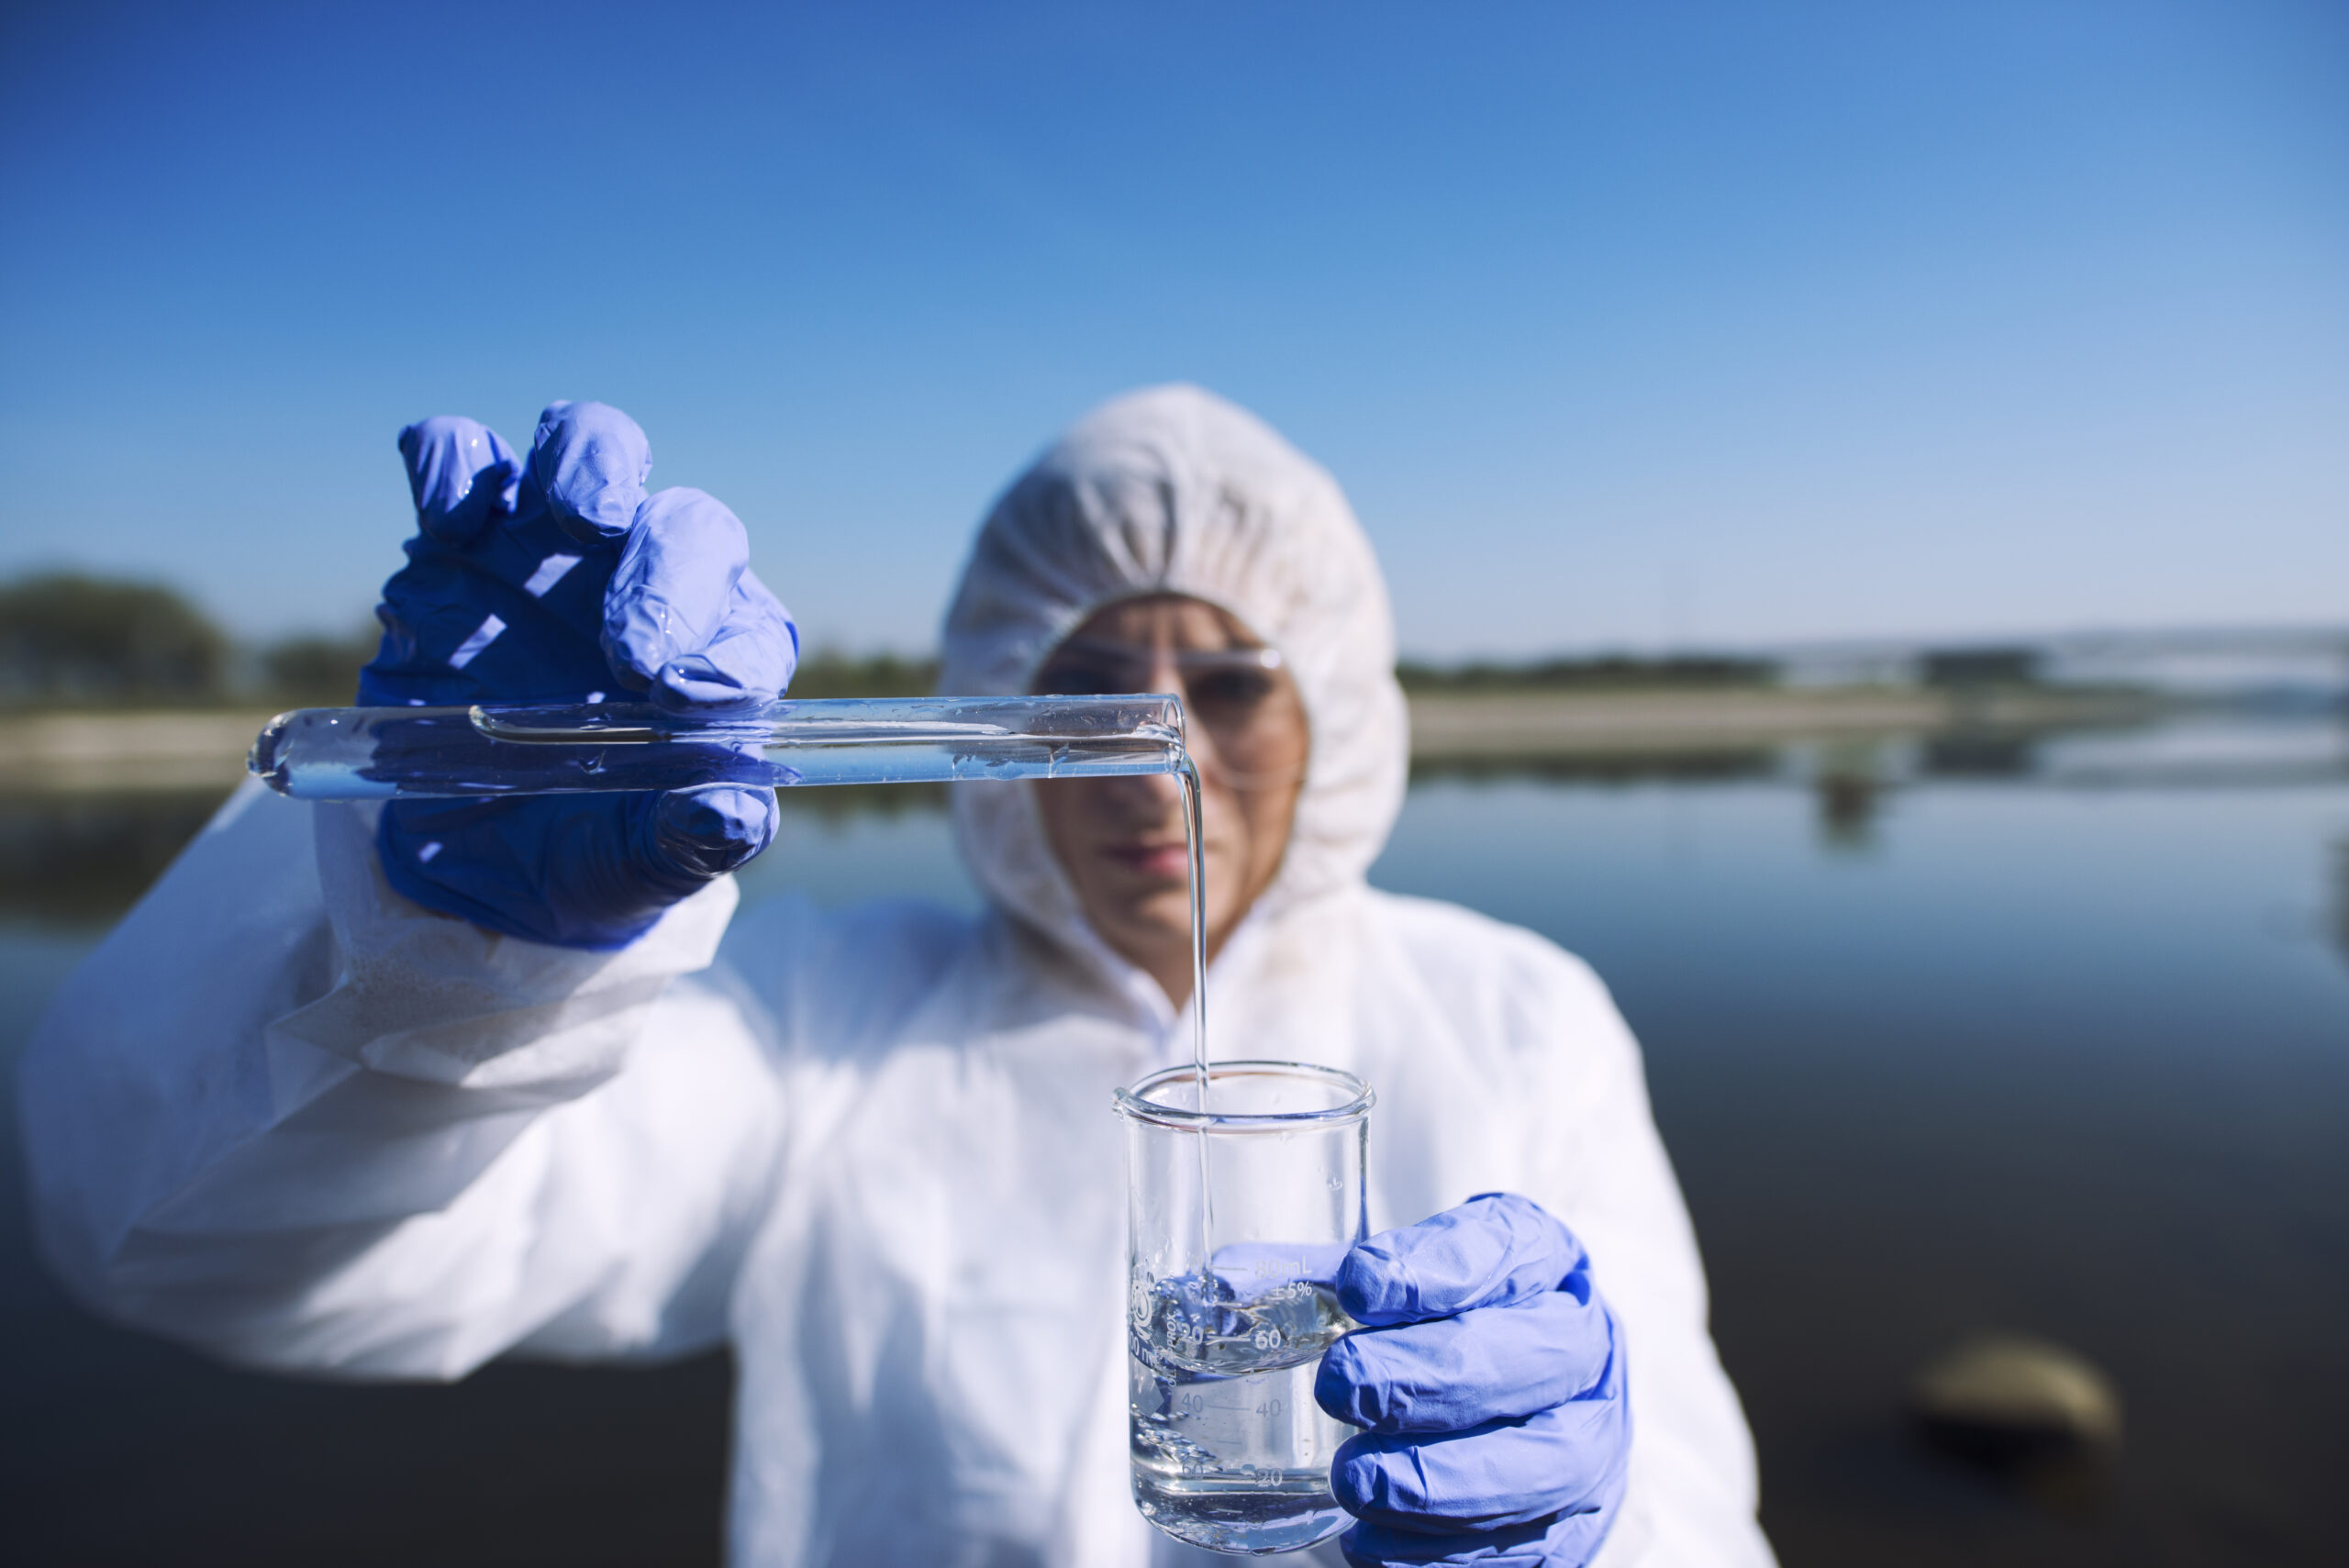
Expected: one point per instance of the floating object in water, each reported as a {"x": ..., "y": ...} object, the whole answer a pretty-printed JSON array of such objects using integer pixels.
[{"x": 2009, "y": 1401}]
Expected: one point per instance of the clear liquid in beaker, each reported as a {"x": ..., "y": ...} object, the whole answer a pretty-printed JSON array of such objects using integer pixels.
[{"x": 1229, "y": 1450}]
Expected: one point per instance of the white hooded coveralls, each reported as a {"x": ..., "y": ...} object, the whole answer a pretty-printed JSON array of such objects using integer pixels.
[{"x": 288, "y": 1116}]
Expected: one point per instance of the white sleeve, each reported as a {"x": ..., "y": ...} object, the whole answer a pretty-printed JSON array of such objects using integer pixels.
[
  {"x": 1693, "y": 1489},
  {"x": 286, "y": 1116}
]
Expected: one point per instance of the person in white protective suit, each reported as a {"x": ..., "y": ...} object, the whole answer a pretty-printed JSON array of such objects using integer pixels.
[{"x": 293, "y": 1113}]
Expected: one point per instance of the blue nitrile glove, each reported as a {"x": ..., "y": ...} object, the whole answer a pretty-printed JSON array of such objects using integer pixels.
[
  {"x": 560, "y": 580},
  {"x": 1491, "y": 1380}
]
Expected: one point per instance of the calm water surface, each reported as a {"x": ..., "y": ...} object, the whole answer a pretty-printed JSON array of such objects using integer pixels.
[{"x": 2052, "y": 1040}]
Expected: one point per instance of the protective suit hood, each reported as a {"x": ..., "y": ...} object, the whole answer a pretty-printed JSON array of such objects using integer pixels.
[{"x": 1172, "y": 490}]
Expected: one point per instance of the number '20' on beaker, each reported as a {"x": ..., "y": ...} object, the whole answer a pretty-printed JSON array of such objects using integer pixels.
[{"x": 1237, "y": 1218}]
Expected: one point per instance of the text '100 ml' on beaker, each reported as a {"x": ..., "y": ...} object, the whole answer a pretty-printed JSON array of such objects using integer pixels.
[{"x": 1238, "y": 1218}]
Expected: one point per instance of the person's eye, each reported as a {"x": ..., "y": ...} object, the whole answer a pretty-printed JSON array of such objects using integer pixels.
[
  {"x": 1230, "y": 691},
  {"x": 1073, "y": 679}
]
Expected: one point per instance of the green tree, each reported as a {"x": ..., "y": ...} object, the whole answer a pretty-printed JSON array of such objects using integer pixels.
[
  {"x": 68, "y": 638},
  {"x": 318, "y": 672},
  {"x": 882, "y": 675}
]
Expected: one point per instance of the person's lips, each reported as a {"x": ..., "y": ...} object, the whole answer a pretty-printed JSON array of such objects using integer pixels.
[{"x": 1169, "y": 860}]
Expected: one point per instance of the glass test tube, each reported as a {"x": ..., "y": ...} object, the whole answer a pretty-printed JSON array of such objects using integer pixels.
[{"x": 382, "y": 753}]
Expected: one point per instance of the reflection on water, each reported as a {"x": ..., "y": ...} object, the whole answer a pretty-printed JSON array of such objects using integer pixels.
[
  {"x": 68, "y": 860},
  {"x": 2052, "y": 1041},
  {"x": 1687, "y": 765},
  {"x": 78, "y": 858},
  {"x": 1849, "y": 780},
  {"x": 2339, "y": 923},
  {"x": 1965, "y": 756},
  {"x": 1849, "y": 803}
]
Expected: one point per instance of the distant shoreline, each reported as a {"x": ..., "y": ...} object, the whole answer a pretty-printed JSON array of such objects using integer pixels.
[
  {"x": 1537, "y": 724},
  {"x": 137, "y": 753},
  {"x": 131, "y": 752}
]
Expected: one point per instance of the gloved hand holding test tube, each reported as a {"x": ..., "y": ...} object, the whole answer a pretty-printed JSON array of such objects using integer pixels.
[
  {"x": 558, "y": 579},
  {"x": 575, "y": 718}
]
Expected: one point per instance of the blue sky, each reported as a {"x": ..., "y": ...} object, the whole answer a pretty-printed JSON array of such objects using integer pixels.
[{"x": 1624, "y": 326}]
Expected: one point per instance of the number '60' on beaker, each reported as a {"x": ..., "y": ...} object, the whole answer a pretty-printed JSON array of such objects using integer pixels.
[{"x": 1238, "y": 1216}]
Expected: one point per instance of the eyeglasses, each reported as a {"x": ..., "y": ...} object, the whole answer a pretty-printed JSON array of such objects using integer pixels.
[{"x": 1243, "y": 698}]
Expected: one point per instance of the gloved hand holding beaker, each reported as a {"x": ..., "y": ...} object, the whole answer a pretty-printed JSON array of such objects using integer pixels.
[
  {"x": 558, "y": 579},
  {"x": 1490, "y": 1377}
]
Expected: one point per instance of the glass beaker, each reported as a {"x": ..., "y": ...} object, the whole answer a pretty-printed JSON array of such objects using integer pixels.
[{"x": 1238, "y": 1218}]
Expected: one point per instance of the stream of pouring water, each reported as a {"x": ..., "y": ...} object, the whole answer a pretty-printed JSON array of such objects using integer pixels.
[
  {"x": 1194, "y": 832},
  {"x": 1195, "y": 840}
]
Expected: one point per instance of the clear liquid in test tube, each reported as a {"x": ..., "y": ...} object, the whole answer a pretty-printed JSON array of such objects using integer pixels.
[{"x": 386, "y": 753}]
